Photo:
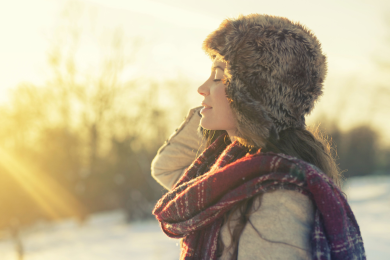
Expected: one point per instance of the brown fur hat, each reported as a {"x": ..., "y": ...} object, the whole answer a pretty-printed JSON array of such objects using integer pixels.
[{"x": 274, "y": 74}]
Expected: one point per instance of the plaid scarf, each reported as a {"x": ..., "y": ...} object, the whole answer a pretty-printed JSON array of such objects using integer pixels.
[{"x": 194, "y": 208}]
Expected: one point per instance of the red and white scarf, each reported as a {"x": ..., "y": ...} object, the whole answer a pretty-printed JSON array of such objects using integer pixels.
[{"x": 222, "y": 176}]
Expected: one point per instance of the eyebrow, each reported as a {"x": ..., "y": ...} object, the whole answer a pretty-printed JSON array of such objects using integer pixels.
[{"x": 218, "y": 67}]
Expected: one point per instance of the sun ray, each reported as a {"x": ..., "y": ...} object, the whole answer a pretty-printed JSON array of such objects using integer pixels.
[{"x": 53, "y": 199}]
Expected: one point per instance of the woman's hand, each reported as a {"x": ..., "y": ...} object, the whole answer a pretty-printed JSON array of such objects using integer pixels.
[{"x": 179, "y": 151}]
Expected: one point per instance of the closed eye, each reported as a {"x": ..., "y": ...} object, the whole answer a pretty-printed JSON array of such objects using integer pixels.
[{"x": 215, "y": 80}]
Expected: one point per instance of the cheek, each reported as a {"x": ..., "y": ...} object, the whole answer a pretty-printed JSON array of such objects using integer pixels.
[
  {"x": 222, "y": 104},
  {"x": 221, "y": 116}
]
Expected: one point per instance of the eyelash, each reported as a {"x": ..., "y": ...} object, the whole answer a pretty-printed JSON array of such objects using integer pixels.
[{"x": 215, "y": 80}]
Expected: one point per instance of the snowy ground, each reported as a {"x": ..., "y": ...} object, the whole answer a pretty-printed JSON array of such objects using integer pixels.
[
  {"x": 370, "y": 202},
  {"x": 104, "y": 237},
  {"x": 107, "y": 236}
]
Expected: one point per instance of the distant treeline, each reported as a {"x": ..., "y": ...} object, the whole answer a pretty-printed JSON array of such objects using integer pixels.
[
  {"x": 359, "y": 151},
  {"x": 63, "y": 156},
  {"x": 58, "y": 161}
]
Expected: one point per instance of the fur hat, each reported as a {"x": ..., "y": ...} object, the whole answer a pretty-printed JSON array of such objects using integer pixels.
[{"x": 274, "y": 74}]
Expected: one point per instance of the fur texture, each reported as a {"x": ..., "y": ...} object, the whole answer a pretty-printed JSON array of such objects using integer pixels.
[{"x": 275, "y": 72}]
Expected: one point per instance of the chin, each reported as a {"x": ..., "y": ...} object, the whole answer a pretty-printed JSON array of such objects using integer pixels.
[{"x": 207, "y": 124}]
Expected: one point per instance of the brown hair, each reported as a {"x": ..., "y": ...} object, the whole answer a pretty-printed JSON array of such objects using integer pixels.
[{"x": 311, "y": 146}]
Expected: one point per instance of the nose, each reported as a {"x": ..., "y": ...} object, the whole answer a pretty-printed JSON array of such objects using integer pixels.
[{"x": 204, "y": 90}]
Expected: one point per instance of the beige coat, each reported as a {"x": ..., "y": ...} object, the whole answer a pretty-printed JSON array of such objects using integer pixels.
[{"x": 281, "y": 226}]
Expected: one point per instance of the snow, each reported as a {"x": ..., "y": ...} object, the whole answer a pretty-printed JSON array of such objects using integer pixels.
[
  {"x": 107, "y": 236},
  {"x": 369, "y": 198}
]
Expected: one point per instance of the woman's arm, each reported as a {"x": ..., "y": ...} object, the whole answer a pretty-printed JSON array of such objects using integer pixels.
[
  {"x": 178, "y": 152},
  {"x": 280, "y": 228}
]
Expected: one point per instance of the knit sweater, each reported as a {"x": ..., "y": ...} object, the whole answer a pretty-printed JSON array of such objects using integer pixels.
[{"x": 278, "y": 229}]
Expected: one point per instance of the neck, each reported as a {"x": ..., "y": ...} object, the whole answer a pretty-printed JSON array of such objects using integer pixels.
[{"x": 232, "y": 134}]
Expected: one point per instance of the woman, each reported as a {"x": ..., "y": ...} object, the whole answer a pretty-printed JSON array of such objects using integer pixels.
[{"x": 264, "y": 187}]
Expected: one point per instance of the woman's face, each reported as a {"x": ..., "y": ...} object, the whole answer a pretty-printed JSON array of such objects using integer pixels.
[{"x": 216, "y": 114}]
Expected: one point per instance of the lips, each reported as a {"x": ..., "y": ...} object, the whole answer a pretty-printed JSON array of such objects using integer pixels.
[{"x": 206, "y": 106}]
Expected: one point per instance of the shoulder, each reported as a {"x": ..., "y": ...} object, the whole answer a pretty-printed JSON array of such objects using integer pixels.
[
  {"x": 275, "y": 160},
  {"x": 279, "y": 227},
  {"x": 296, "y": 170}
]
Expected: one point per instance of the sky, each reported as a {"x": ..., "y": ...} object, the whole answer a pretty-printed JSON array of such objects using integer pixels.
[{"x": 352, "y": 34}]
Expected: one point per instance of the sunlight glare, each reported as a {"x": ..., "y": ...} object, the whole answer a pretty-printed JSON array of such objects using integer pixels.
[{"x": 54, "y": 200}]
